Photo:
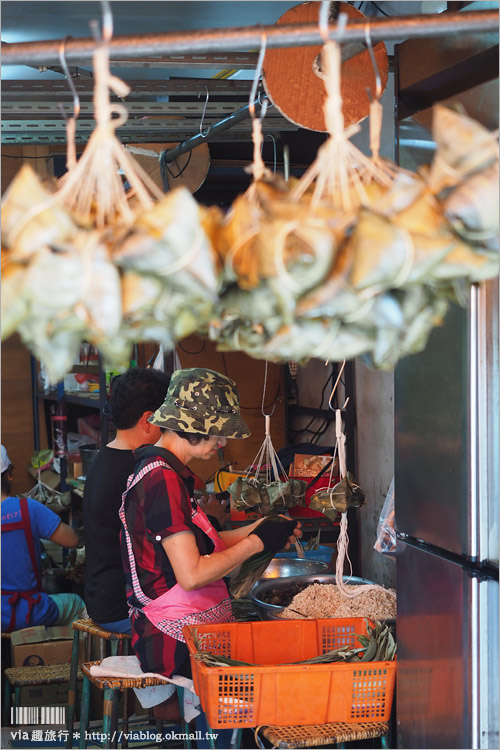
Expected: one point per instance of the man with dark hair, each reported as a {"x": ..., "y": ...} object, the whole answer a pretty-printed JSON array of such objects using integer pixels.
[{"x": 135, "y": 395}]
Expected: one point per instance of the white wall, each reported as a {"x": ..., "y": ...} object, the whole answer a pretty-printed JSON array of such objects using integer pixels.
[
  {"x": 375, "y": 464},
  {"x": 374, "y": 402}
]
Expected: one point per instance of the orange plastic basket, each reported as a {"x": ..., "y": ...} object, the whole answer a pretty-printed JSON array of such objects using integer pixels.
[{"x": 282, "y": 694}]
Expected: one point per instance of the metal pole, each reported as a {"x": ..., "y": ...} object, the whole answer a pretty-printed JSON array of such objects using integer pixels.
[
  {"x": 172, "y": 153},
  {"x": 250, "y": 38}
]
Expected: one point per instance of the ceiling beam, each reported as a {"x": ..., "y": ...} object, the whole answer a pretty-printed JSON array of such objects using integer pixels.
[
  {"x": 58, "y": 88},
  {"x": 465, "y": 74},
  {"x": 142, "y": 130},
  {"x": 137, "y": 136},
  {"x": 246, "y": 39},
  {"x": 231, "y": 60},
  {"x": 13, "y": 109}
]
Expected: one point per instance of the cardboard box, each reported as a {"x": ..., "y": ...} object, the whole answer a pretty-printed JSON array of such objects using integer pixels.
[
  {"x": 38, "y": 646},
  {"x": 305, "y": 465},
  {"x": 45, "y": 695},
  {"x": 74, "y": 469}
]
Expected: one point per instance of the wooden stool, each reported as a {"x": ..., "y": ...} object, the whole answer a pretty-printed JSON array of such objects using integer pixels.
[
  {"x": 111, "y": 687},
  {"x": 118, "y": 644},
  {"x": 19, "y": 677},
  {"x": 316, "y": 735}
]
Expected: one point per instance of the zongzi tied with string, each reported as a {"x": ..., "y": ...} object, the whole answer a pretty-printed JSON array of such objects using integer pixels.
[{"x": 344, "y": 495}]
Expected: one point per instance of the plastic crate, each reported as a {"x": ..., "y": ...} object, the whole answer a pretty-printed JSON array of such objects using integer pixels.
[
  {"x": 291, "y": 695},
  {"x": 323, "y": 553}
]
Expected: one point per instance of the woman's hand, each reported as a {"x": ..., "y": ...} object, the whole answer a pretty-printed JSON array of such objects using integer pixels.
[
  {"x": 297, "y": 533},
  {"x": 278, "y": 535}
]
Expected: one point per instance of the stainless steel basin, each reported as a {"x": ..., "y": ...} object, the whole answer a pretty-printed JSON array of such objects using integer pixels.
[
  {"x": 281, "y": 567},
  {"x": 271, "y": 611}
]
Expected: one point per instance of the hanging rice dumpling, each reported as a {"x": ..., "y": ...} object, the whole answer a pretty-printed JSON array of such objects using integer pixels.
[
  {"x": 424, "y": 308},
  {"x": 55, "y": 344},
  {"x": 279, "y": 494},
  {"x": 472, "y": 208},
  {"x": 70, "y": 296},
  {"x": 404, "y": 190},
  {"x": 32, "y": 217},
  {"x": 152, "y": 311},
  {"x": 464, "y": 146},
  {"x": 321, "y": 338},
  {"x": 245, "y": 493},
  {"x": 15, "y": 307},
  {"x": 298, "y": 489},
  {"x": 335, "y": 296},
  {"x": 140, "y": 294},
  {"x": 55, "y": 282},
  {"x": 116, "y": 352},
  {"x": 169, "y": 242},
  {"x": 382, "y": 254},
  {"x": 100, "y": 289},
  {"x": 345, "y": 494},
  {"x": 267, "y": 235}
]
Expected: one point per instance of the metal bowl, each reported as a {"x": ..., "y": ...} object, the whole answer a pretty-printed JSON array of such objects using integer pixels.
[
  {"x": 271, "y": 611},
  {"x": 281, "y": 567}
]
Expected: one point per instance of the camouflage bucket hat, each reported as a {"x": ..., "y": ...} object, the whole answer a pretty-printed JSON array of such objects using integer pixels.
[{"x": 201, "y": 401}]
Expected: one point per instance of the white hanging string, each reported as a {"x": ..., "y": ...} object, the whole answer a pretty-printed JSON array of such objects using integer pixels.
[
  {"x": 258, "y": 168},
  {"x": 341, "y": 171},
  {"x": 267, "y": 464},
  {"x": 343, "y": 540},
  {"x": 93, "y": 188}
]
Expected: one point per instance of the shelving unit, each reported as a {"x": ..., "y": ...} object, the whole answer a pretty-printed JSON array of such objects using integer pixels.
[{"x": 96, "y": 401}]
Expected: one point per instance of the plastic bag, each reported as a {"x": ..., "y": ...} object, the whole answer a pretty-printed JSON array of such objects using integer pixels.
[{"x": 387, "y": 542}]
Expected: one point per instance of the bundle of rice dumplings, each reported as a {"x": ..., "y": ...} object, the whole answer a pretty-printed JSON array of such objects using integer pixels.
[
  {"x": 88, "y": 261},
  {"x": 357, "y": 258}
]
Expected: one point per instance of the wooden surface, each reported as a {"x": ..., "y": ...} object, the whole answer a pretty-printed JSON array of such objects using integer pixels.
[
  {"x": 17, "y": 412},
  {"x": 189, "y": 170},
  {"x": 299, "y": 93},
  {"x": 249, "y": 376},
  {"x": 12, "y": 161}
]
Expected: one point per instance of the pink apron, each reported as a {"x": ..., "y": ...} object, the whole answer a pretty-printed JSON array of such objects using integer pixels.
[{"x": 177, "y": 607}]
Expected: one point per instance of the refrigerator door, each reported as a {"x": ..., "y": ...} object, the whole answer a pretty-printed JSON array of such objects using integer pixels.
[
  {"x": 432, "y": 438},
  {"x": 447, "y": 686},
  {"x": 447, "y": 432}
]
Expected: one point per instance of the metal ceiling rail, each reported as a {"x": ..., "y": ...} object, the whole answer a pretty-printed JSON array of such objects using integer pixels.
[
  {"x": 236, "y": 61},
  {"x": 134, "y": 137},
  {"x": 250, "y": 38},
  {"x": 59, "y": 89},
  {"x": 161, "y": 125},
  {"x": 158, "y": 109}
]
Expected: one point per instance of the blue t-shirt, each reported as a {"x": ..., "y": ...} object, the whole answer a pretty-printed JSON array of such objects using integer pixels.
[{"x": 17, "y": 570}]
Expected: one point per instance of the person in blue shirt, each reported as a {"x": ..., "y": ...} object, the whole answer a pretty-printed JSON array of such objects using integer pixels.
[{"x": 24, "y": 522}]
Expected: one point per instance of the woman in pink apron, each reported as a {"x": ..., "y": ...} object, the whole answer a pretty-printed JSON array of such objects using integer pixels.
[{"x": 174, "y": 559}]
